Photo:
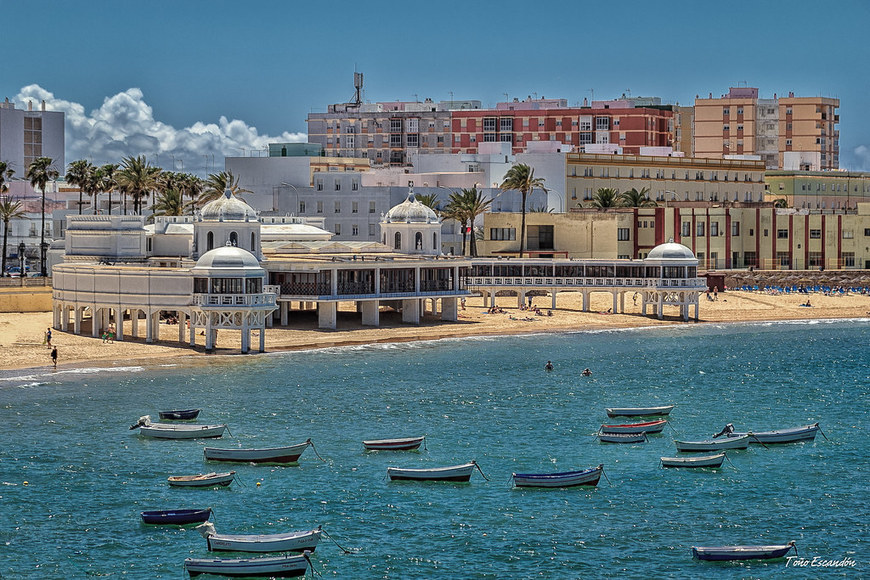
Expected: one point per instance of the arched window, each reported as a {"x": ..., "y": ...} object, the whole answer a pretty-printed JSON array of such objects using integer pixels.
[
  {"x": 253, "y": 243},
  {"x": 209, "y": 241},
  {"x": 434, "y": 240},
  {"x": 418, "y": 241},
  {"x": 234, "y": 238},
  {"x": 398, "y": 241}
]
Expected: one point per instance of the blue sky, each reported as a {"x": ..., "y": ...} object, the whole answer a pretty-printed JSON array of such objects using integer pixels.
[{"x": 159, "y": 76}]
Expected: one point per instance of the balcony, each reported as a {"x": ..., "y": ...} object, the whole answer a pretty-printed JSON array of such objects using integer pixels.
[{"x": 233, "y": 300}]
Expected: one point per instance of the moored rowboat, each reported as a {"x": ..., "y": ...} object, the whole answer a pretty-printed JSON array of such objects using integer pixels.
[
  {"x": 741, "y": 442},
  {"x": 703, "y": 461},
  {"x": 406, "y": 444},
  {"x": 622, "y": 437},
  {"x": 202, "y": 479},
  {"x": 792, "y": 435},
  {"x": 180, "y": 415},
  {"x": 286, "y": 542},
  {"x": 639, "y": 411},
  {"x": 564, "y": 479},
  {"x": 175, "y": 517},
  {"x": 288, "y": 454},
  {"x": 176, "y": 431},
  {"x": 453, "y": 473},
  {"x": 721, "y": 553},
  {"x": 646, "y": 427},
  {"x": 270, "y": 567}
]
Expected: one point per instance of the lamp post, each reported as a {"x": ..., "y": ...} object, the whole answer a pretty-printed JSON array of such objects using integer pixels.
[
  {"x": 21, "y": 264},
  {"x": 296, "y": 191}
]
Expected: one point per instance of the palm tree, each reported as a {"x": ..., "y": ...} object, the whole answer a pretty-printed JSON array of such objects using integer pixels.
[
  {"x": 169, "y": 202},
  {"x": 475, "y": 205},
  {"x": 780, "y": 202},
  {"x": 137, "y": 178},
  {"x": 80, "y": 173},
  {"x": 6, "y": 174},
  {"x": 430, "y": 200},
  {"x": 106, "y": 182},
  {"x": 9, "y": 210},
  {"x": 635, "y": 198},
  {"x": 216, "y": 184},
  {"x": 190, "y": 185},
  {"x": 605, "y": 197},
  {"x": 40, "y": 173},
  {"x": 522, "y": 177},
  {"x": 456, "y": 210}
]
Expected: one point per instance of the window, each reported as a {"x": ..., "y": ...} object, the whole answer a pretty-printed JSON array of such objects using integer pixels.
[
  {"x": 739, "y": 110},
  {"x": 687, "y": 229},
  {"x": 735, "y": 229},
  {"x": 354, "y": 186},
  {"x": 337, "y": 185},
  {"x": 848, "y": 234},
  {"x": 714, "y": 229},
  {"x": 500, "y": 234},
  {"x": 413, "y": 140},
  {"x": 726, "y": 111},
  {"x": 586, "y": 123},
  {"x": 489, "y": 124},
  {"x": 700, "y": 229},
  {"x": 337, "y": 207},
  {"x": 602, "y": 123},
  {"x": 434, "y": 240},
  {"x": 354, "y": 207},
  {"x": 372, "y": 228},
  {"x": 848, "y": 259},
  {"x": 301, "y": 207},
  {"x": 765, "y": 232},
  {"x": 319, "y": 207},
  {"x": 209, "y": 241},
  {"x": 815, "y": 234},
  {"x": 751, "y": 231},
  {"x": 395, "y": 125},
  {"x": 782, "y": 234},
  {"x": 506, "y": 124},
  {"x": 337, "y": 229},
  {"x": 354, "y": 230},
  {"x": 397, "y": 241},
  {"x": 371, "y": 207},
  {"x": 319, "y": 184},
  {"x": 623, "y": 234},
  {"x": 867, "y": 231},
  {"x": 234, "y": 238}
]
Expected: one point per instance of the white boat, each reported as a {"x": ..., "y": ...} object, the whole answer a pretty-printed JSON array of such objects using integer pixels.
[
  {"x": 270, "y": 567},
  {"x": 177, "y": 430},
  {"x": 287, "y": 542},
  {"x": 622, "y": 437},
  {"x": 453, "y": 473},
  {"x": 646, "y": 427},
  {"x": 202, "y": 480},
  {"x": 288, "y": 454},
  {"x": 723, "y": 553},
  {"x": 741, "y": 442},
  {"x": 559, "y": 480},
  {"x": 792, "y": 435},
  {"x": 639, "y": 411},
  {"x": 703, "y": 461},
  {"x": 404, "y": 444}
]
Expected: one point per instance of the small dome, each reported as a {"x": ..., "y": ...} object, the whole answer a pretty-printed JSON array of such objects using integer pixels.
[
  {"x": 227, "y": 208},
  {"x": 670, "y": 251},
  {"x": 228, "y": 257},
  {"x": 411, "y": 211}
]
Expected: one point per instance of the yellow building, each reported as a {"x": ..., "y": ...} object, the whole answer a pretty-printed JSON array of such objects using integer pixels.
[
  {"x": 818, "y": 189},
  {"x": 786, "y": 133}
]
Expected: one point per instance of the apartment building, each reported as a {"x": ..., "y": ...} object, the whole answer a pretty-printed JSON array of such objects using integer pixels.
[
  {"x": 818, "y": 189},
  {"x": 784, "y": 132},
  {"x": 26, "y": 134},
  {"x": 667, "y": 179}
]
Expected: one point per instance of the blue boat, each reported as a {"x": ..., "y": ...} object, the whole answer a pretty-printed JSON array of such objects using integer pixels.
[
  {"x": 727, "y": 553},
  {"x": 564, "y": 479},
  {"x": 176, "y": 517},
  {"x": 179, "y": 415}
]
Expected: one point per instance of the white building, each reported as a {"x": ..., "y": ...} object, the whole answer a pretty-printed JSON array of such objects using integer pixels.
[{"x": 26, "y": 134}]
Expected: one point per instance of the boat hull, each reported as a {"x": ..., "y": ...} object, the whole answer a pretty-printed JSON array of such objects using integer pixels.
[
  {"x": 408, "y": 444},
  {"x": 159, "y": 431},
  {"x": 727, "y": 553},
  {"x": 288, "y": 454},
  {"x": 647, "y": 427},
  {"x": 794, "y": 435},
  {"x": 262, "y": 543},
  {"x": 639, "y": 411},
  {"x": 622, "y": 437},
  {"x": 202, "y": 480},
  {"x": 588, "y": 477},
  {"x": 180, "y": 415},
  {"x": 175, "y": 517},
  {"x": 741, "y": 442},
  {"x": 456, "y": 473},
  {"x": 694, "y": 462},
  {"x": 272, "y": 567}
]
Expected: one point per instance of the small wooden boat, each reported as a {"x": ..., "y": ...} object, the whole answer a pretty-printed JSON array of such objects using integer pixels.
[
  {"x": 182, "y": 415},
  {"x": 176, "y": 517},
  {"x": 406, "y": 444},
  {"x": 258, "y": 455},
  {"x": 564, "y": 479},
  {"x": 741, "y": 442},
  {"x": 453, "y": 473},
  {"x": 270, "y": 567},
  {"x": 721, "y": 553},
  {"x": 202, "y": 480},
  {"x": 792, "y": 435},
  {"x": 639, "y": 411},
  {"x": 176, "y": 431},
  {"x": 622, "y": 437},
  {"x": 647, "y": 427},
  {"x": 703, "y": 461},
  {"x": 287, "y": 542}
]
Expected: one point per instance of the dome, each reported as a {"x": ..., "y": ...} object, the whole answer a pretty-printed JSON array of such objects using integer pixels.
[
  {"x": 670, "y": 251},
  {"x": 228, "y": 257},
  {"x": 228, "y": 208},
  {"x": 411, "y": 211}
]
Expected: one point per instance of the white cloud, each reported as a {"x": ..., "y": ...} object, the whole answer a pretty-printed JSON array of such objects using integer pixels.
[
  {"x": 861, "y": 153},
  {"x": 125, "y": 125}
]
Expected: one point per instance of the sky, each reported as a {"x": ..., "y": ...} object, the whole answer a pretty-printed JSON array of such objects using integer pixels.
[{"x": 187, "y": 83}]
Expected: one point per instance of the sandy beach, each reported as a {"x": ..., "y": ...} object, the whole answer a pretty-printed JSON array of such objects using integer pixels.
[{"x": 21, "y": 334}]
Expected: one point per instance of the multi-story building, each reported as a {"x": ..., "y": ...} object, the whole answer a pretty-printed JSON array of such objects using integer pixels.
[
  {"x": 818, "y": 189},
  {"x": 721, "y": 235},
  {"x": 666, "y": 178},
  {"x": 26, "y": 134},
  {"x": 786, "y": 132}
]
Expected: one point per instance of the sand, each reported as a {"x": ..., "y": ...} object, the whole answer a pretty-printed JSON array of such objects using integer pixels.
[{"x": 21, "y": 334}]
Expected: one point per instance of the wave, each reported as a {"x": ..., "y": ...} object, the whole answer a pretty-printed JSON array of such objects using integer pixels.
[{"x": 49, "y": 376}]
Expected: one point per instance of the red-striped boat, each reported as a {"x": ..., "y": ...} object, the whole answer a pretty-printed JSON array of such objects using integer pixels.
[{"x": 647, "y": 427}]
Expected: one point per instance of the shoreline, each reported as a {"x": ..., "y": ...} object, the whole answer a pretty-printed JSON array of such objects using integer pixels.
[{"x": 20, "y": 331}]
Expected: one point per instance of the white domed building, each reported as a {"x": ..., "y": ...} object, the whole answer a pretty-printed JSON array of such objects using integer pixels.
[
  {"x": 226, "y": 220},
  {"x": 412, "y": 228},
  {"x": 676, "y": 279}
]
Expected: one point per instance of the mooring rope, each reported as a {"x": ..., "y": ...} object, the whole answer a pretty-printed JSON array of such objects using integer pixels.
[
  {"x": 310, "y": 563},
  {"x": 757, "y": 440},
  {"x": 729, "y": 461},
  {"x": 230, "y": 433},
  {"x": 345, "y": 550},
  {"x": 826, "y": 439},
  {"x": 605, "y": 475},
  {"x": 313, "y": 448},
  {"x": 480, "y": 470}
]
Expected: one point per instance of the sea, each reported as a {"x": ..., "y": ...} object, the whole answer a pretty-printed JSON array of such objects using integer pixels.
[{"x": 74, "y": 477}]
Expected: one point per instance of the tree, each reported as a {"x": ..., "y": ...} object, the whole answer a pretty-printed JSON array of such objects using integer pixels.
[
  {"x": 605, "y": 197},
  {"x": 169, "y": 202},
  {"x": 635, "y": 198},
  {"x": 780, "y": 202},
  {"x": 9, "y": 210},
  {"x": 455, "y": 210},
  {"x": 464, "y": 206},
  {"x": 216, "y": 184},
  {"x": 430, "y": 200},
  {"x": 106, "y": 180},
  {"x": 522, "y": 177},
  {"x": 191, "y": 186},
  {"x": 40, "y": 172},
  {"x": 6, "y": 174},
  {"x": 137, "y": 178},
  {"x": 80, "y": 173}
]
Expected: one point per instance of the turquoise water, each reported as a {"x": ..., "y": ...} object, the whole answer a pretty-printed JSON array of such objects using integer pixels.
[{"x": 66, "y": 434}]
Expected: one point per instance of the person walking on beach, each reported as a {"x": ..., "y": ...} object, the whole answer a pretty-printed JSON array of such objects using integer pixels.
[{"x": 54, "y": 357}]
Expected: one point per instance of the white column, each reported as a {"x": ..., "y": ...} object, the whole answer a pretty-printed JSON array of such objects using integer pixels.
[
  {"x": 553, "y": 292},
  {"x": 660, "y": 304},
  {"x": 521, "y": 298},
  {"x": 411, "y": 311},
  {"x": 64, "y": 317},
  {"x": 622, "y": 302},
  {"x": 149, "y": 326},
  {"x": 327, "y": 315},
  {"x": 262, "y": 340},
  {"x": 450, "y": 309},
  {"x": 181, "y": 318},
  {"x": 209, "y": 333},
  {"x": 134, "y": 322},
  {"x": 77, "y": 319},
  {"x": 615, "y": 301},
  {"x": 96, "y": 321},
  {"x": 585, "y": 301},
  {"x": 285, "y": 312},
  {"x": 371, "y": 315},
  {"x": 192, "y": 329},
  {"x": 119, "y": 328}
]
